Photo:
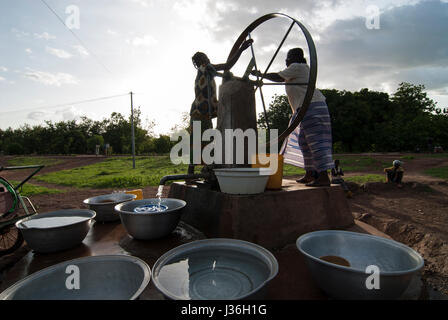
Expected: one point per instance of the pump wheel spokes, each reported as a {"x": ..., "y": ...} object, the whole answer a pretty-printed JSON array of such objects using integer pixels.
[{"x": 311, "y": 84}]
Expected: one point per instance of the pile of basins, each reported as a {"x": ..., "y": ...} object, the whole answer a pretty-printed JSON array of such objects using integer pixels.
[{"x": 205, "y": 269}]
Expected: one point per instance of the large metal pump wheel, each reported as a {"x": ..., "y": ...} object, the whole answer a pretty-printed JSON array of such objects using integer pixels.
[{"x": 313, "y": 65}]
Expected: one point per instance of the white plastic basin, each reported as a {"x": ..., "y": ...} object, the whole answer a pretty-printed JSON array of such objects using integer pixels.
[{"x": 242, "y": 180}]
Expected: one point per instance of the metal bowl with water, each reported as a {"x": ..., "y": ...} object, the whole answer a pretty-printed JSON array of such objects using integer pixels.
[
  {"x": 104, "y": 205},
  {"x": 144, "y": 225},
  {"x": 215, "y": 269},
  {"x": 396, "y": 263},
  {"x": 109, "y": 277},
  {"x": 57, "y": 230}
]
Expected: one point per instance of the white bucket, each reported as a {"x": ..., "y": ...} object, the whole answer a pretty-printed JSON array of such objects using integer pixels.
[{"x": 242, "y": 180}]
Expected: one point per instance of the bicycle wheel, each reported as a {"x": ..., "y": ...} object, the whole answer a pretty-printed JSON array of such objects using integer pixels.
[{"x": 10, "y": 239}]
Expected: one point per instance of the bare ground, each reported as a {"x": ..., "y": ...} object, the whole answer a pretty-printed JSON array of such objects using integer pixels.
[{"x": 416, "y": 215}]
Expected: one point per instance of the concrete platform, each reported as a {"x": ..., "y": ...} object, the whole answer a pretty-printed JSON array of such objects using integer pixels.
[{"x": 272, "y": 219}]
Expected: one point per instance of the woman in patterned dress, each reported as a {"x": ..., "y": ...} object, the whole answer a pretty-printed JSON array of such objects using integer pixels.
[
  {"x": 205, "y": 105},
  {"x": 309, "y": 145}
]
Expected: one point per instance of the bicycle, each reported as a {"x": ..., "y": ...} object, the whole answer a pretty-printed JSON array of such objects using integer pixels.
[{"x": 11, "y": 201}]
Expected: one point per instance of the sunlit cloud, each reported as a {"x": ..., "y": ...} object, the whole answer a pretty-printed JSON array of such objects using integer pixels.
[
  {"x": 51, "y": 79},
  {"x": 28, "y": 51},
  {"x": 81, "y": 50},
  {"x": 145, "y": 41},
  {"x": 3, "y": 69},
  {"x": 58, "y": 53},
  {"x": 44, "y": 35}
]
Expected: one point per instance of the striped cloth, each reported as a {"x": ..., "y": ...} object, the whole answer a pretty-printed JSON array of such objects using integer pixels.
[{"x": 309, "y": 145}]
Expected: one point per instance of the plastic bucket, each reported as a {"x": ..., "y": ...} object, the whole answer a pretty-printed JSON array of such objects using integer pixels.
[
  {"x": 275, "y": 180},
  {"x": 137, "y": 192}
]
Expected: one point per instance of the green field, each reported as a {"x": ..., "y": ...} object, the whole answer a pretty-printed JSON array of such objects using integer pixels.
[
  {"x": 29, "y": 189},
  {"x": 30, "y": 161},
  {"x": 441, "y": 172},
  {"x": 361, "y": 179},
  {"x": 116, "y": 173}
]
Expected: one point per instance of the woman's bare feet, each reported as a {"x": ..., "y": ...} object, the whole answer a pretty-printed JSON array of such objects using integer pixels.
[
  {"x": 308, "y": 177},
  {"x": 321, "y": 181}
]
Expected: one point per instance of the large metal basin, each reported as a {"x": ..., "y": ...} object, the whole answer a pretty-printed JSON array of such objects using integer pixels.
[
  {"x": 215, "y": 269},
  {"x": 147, "y": 226},
  {"x": 104, "y": 205},
  {"x": 397, "y": 264},
  {"x": 110, "y": 277},
  {"x": 66, "y": 229}
]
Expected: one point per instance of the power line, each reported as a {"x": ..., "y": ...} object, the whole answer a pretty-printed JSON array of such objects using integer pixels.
[
  {"x": 74, "y": 34},
  {"x": 65, "y": 104}
]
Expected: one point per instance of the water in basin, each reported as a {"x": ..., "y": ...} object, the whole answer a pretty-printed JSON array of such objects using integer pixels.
[
  {"x": 150, "y": 208},
  {"x": 213, "y": 275},
  {"x": 52, "y": 222},
  {"x": 159, "y": 194}
]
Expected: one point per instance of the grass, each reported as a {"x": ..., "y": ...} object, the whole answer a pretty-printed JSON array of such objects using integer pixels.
[
  {"x": 440, "y": 172},
  {"x": 361, "y": 179},
  {"x": 289, "y": 170},
  {"x": 117, "y": 173},
  {"x": 29, "y": 161},
  {"x": 356, "y": 163},
  {"x": 29, "y": 189}
]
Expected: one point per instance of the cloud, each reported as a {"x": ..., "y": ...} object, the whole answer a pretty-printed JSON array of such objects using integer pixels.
[
  {"x": 28, "y": 51},
  {"x": 2, "y": 79},
  {"x": 3, "y": 69},
  {"x": 81, "y": 50},
  {"x": 112, "y": 32},
  {"x": 59, "y": 53},
  {"x": 50, "y": 79},
  {"x": 37, "y": 115},
  {"x": 69, "y": 114},
  {"x": 19, "y": 33},
  {"x": 143, "y": 3},
  {"x": 410, "y": 45},
  {"x": 44, "y": 35},
  {"x": 145, "y": 41}
]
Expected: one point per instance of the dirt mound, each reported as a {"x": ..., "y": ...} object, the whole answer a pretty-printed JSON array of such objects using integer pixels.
[{"x": 415, "y": 215}]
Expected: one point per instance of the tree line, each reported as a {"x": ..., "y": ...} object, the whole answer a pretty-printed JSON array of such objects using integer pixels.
[
  {"x": 371, "y": 121},
  {"x": 82, "y": 136},
  {"x": 362, "y": 121}
]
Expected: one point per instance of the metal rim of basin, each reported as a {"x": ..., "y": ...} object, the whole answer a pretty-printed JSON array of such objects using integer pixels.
[
  {"x": 51, "y": 214},
  {"x": 88, "y": 201},
  {"x": 194, "y": 245},
  {"x": 142, "y": 264},
  {"x": 389, "y": 242},
  {"x": 239, "y": 171},
  {"x": 182, "y": 203}
]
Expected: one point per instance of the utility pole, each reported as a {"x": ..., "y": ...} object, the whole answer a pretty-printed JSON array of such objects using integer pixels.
[{"x": 133, "y": 134}]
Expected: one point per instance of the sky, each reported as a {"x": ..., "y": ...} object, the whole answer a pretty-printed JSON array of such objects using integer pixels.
[{"x": 108, "y": 48}]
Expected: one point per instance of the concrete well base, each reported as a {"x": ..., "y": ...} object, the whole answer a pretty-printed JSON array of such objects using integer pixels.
[{"x": 272, "y": 219}]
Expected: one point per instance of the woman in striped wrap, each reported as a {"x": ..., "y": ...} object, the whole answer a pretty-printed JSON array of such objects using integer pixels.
[{"x": 309, "y": 145}]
